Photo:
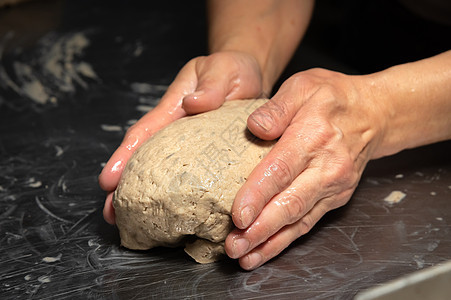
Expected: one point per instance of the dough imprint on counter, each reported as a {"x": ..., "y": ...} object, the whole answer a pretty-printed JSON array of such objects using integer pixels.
[{"x": 178, "y": 187}]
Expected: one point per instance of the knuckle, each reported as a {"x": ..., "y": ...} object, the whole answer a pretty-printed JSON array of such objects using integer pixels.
[
  {"x": 341, "y": 174},
  {"x": 304, "y": 225},
  {"x": 134, "y": 130},
  {"x": 271, "y": 114},
  {"x": 300, "y": 80},
  {"x": 317, "y": 132},
  {"x": 281, "y": 172},
  {"x": 293, "y": 208},
  {"x": 131, "y": 130},
  {"x": 341, "y": 199},
  {"x": 263, "y": 194},
  {"x": 135, "y": 135},
  {"x": 340, "y": 179},
  {"x": 316, "y": 138},
  {"x": 277, "y": 109},
  {"x": 262, "y": 231}
]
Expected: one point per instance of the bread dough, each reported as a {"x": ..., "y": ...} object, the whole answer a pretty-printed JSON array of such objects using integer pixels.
[
  {"x": 204, "y": 251},
  {"x": 179, "y": 186}
]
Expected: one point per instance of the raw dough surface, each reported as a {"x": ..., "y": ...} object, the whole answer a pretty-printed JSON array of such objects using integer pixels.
[{"x": 179, "y": 186}]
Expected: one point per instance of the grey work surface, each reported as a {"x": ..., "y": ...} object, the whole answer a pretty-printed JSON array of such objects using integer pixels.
[{"x": 98, "y": 69}]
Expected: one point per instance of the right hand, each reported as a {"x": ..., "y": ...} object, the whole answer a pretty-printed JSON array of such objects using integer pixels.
[{"x": 203, "y": 84}]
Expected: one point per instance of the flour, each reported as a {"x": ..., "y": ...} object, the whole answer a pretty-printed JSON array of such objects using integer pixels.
[
  {"x": 55, "y": 68},
  {"x": 29, "y": 83},
  {"x": 106, "y": 127},
  {"x": 51, "y": 259},
  {"x": 60, "y": 61},
  {"x": 395, "y": 197}
]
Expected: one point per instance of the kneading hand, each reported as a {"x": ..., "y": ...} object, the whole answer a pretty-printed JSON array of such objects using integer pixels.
[
  {"x": 328, "y": 129},
  {"x": 202, "y": 84}
]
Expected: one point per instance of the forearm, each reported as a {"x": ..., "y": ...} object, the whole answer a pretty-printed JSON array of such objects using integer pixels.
[
  {"x": 416, "y": 99},
  {"x": 269, "y": 30}
]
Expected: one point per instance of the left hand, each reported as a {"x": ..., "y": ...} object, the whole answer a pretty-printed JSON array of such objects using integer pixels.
[
  {"x": 329, "y": 125},
  {"x": 203, "y": 84}
]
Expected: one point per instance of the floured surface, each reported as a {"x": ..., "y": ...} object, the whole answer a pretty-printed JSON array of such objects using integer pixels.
[
  {"x": 56, "y": 68},
  {"x": 181, "y": 184}
]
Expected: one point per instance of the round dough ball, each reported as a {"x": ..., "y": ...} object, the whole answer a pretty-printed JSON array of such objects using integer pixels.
[{"x": 179, "y": 186}]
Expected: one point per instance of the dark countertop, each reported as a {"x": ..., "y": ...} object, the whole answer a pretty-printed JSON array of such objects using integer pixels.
[{"x": 74, "y": 75}]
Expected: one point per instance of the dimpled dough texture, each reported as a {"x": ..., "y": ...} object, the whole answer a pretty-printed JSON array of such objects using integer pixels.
[{"x": 179, "y": 186}]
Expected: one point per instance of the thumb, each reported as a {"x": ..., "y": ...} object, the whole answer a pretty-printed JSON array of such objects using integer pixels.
[
  {"x": 222, "y": 77},
  {"x": 211, "y": 92}
]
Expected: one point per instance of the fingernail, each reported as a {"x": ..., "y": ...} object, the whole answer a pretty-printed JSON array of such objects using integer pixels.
[
  {"x": 247, "y": 216},
  {"x": 240, "y": 247},
  {"x": 263, "y": 120},
  {"x": 253, "y": 260}
]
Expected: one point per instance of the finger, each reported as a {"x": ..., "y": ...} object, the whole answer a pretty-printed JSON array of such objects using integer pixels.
[
  {"x": 286, "y": 235},
  {"x": 288, "y": 206},
  {"x": 153, "y": 121},
  {"x": 285, "y": 208},
  {"x": 282, "y": 239},
  {"x": 273, "y": 174},
  {"x": 269, "y": 121},
  {"x": 208, "y": 96},
  {"x": 222, "y": 77},
  {"x": 168, "y": 110},
  {"x": 108, "y": 210},
  {"x": 278, "y": 241}
]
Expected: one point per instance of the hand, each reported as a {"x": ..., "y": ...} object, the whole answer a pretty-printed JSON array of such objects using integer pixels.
[
  {"x": 328, "y": 128},
  {"x": 202, "y": 84}
]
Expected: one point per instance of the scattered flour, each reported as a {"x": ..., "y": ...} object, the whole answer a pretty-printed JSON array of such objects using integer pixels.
[
  {"x": 56, "y": 67},
  {"x": 33, "y": 183},
  {"x": 138, "y": 51},
  {"x": 61, "y": 61},
  {"x": 107, "y": 127},
  {"x": 419, "y": 261},
  {"x": 395, "y": 197},
  {"x": 49, "y": 259},
  {"x": 30, "y": 84},
  {"x": 59, "y": 151},
  {"x": 44, "y": 279}
]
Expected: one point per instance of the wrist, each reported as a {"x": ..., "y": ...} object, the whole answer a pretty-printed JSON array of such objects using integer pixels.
[
  {"x": 414, "y": 102},
  {"x": 270, "y": 31},
  {"x": 373, "y": 94}
]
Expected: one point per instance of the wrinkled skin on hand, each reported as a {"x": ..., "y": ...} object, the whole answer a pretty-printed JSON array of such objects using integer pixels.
[
  {"x": 328, "y": 128},
  {"x": 203, "y": 84}
]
